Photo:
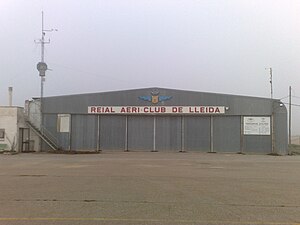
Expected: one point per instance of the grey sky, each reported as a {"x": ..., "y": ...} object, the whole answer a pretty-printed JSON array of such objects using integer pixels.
[{"x": 212, "y": 46}]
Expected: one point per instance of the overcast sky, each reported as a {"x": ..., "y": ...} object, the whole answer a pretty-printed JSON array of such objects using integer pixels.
[{"x": 218, "y": 46}]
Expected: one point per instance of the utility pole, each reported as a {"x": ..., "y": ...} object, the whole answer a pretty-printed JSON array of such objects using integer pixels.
[
  {"x": 290, "y": 115},
  {"x": 272, "y": 116},
  {"x": 271, "y": 80}
]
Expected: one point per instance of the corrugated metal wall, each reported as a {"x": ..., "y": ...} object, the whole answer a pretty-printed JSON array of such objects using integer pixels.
[
  {"x": 255, "y": 143},
  {"x": 84, "y": 130},
  {"x": 140, "y": 133},
  {"x": 156, "y": 133},
  {"x": 168, "y": 133},
  {"x": 112, "y": 131},
  {"x": 197, "y": 133},
  {"x": 226, "y": 134}
]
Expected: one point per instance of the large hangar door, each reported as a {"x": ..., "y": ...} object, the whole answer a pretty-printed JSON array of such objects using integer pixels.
[
  {"x": 84, "y": 132},
  {"x": 197, "y": 133},
  {"x": 168, "y": 133},
  {"x": 112, "y": 132},
  {"x": 140, "y": 133},
  {"x": 227, "y": 134}
]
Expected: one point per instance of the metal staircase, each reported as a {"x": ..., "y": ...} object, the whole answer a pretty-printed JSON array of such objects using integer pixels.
[{"x": 44, "y": 135}]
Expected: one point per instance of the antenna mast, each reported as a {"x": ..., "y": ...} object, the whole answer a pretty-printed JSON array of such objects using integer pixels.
[{"x": 42, "y": 66}]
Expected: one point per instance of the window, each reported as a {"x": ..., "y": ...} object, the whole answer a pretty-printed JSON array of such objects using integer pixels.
[{"x": 2, "y": 134}]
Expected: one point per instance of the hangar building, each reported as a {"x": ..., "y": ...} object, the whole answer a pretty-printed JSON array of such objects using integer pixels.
[{"x": 159, "y": 119}]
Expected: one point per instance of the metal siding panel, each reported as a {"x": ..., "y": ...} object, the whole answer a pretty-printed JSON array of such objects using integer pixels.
[
  {"x": 238, "y": 105},
  {"x": 50, "y": 124},
  {"x": 197, "y": 133},
  {"x": 84, "y": 132},
  {"x": 112, "y": 132},
  {"x": 168, "y": 133},
  {"x": 257, "y": 144},
  {"x": 64, "y": 140},
  {"x": 281, "y": 132},
  {"x": 140, "y": 133},
  {"x": 227, "y": 134}
]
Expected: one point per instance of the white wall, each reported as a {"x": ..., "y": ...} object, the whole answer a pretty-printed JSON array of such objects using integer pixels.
[{"x": 11, "y": 119}]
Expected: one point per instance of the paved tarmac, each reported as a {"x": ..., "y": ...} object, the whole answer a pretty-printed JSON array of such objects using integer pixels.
[{"x": 149, "y": 188}]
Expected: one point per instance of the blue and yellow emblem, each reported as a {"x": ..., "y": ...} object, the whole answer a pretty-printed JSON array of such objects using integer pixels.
[{"x": 155, "y": 98}]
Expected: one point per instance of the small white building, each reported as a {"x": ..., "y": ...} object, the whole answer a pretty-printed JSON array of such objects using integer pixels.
[{"x": 14, "y": 133}]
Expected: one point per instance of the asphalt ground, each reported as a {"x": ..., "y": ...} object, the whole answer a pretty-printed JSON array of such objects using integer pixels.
[{"x": 149, "y": 188}]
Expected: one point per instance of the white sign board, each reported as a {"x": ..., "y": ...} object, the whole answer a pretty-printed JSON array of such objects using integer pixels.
[
  {"x": 156, "y": 110},
  {"x": 255, "y": 125}
]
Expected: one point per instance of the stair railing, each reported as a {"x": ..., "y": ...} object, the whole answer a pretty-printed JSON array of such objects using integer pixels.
[{"x": 43, "y": 131}]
